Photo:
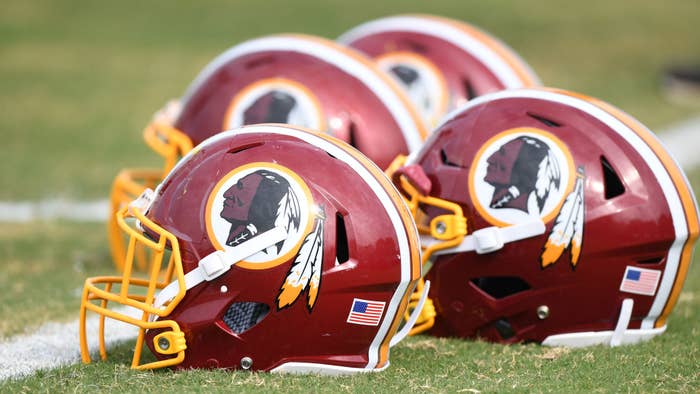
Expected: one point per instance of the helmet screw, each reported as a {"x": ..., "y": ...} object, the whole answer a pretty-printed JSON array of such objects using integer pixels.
[
  {"x": 440, "y": 227},
  {"x": 246, "y": 362},
  {"x": 163, "y": 343},
  {"x": 542, "y": 312}
]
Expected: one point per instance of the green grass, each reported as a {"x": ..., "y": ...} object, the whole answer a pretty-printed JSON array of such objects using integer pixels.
[
  {"x": 46, "y": 263},
  {"x": 450, "y": 366},
  {"x": 78, "y": 81},
  {"x": 44, "y": 267},
  {"x": 424, "y": 364}
]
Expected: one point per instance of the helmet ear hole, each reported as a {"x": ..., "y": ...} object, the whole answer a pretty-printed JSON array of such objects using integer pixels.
[
  {"x": 242, "y": 316},
  {"x": 500, "y": 286}
]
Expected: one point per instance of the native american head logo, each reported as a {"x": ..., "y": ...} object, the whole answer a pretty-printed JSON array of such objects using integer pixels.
[
  {"x": 252, "y": 206},
  {"x": 421, "y": 80},
  {"x": 527, "y": 173},
  {"x": 256, "y": 198},
  {"x": 520, "y": 174},
  {"x": 520, "y": 168},
  {"x": 275, "y": 100}
]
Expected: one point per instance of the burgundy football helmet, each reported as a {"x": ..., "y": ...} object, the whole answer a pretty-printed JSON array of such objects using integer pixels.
[
  {"x": 272, "y": 263},
  {"x": 293, "y": 79},
  {"x": 579, "y": 224},
  {"x": 440, "y": 62}
]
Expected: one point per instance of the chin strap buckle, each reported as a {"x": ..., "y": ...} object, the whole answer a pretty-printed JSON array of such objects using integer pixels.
[
  {"x": 213, "y": 265},
  {"x": 219, "y": 262},
  {"x": 491, "y": 239},
  {"x": 487, "y": 240}
]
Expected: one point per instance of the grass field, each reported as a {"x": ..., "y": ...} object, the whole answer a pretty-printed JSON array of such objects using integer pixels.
[{"x": 78, "y": 81}]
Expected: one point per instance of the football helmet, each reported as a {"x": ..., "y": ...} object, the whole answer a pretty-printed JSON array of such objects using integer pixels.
[
  {"x": 579, "y": 224},
  {"x": 440, "y": 62},
  {"x": 293, "y": 79},
  {"x": 272, "y": 264}
]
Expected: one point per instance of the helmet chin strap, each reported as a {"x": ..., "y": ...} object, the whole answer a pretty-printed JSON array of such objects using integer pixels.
[
  {"x": 219, "y": 262},
  {"x": 399, "y": 336},
  {"x": 621, "y": 335},
  {"x": 491, "y": 239},
  {"x": 622, "y": 322}
]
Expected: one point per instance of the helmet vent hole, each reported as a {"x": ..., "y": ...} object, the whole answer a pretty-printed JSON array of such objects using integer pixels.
[
  {"x": 241, "y": 148},
  {"x": 242, "y": 316},
  {"x": 352, "y": 132},
  {"x": 446, "y": 161},
  {"x": 469, "y": 91},
  {"x": 342, "y": 250},
  {"x": 500, "y": 286},
  {"x": 653, "y": 260},
  {"x": 544, "y": 120},
  {"x": 612, "y": 182}
]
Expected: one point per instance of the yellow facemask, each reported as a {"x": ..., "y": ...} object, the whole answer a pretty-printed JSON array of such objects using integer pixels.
[
  {"x": 167, "y": 142},
  {"x": 139, "y": 292},
  {"x": 442, "y": 232}
]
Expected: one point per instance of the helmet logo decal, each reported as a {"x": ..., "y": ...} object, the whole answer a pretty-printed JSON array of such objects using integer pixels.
[
  {"x": 520, "y": 174},
  {"x": 253, "y": 199},
  {"x": 257, "y": 197},
  {"x": 567, "y": 232},
  {"x": 274, "y": 100},
  {"x": 305, "y": 272},
  {"x": 421, "y": 80}
]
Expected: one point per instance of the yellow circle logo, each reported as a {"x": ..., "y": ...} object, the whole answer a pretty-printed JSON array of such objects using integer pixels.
[
  {"x": 275, "y": 100},
  {"x": 253, "y": 199},
  {"x": 421, "y": 80},
  {"x": 520, "y": 174}
]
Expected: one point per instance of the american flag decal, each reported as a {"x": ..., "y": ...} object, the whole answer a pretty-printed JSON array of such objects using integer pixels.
[
  {"x": 640, "y": 281},
  {"x": 366, "y": 312}
]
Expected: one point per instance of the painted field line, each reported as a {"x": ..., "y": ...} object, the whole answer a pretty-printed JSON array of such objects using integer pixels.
[
  {"x": 683, "y": 141},
  {"x": 57, "y": 344},
  {"x": 78, "y": 211}
]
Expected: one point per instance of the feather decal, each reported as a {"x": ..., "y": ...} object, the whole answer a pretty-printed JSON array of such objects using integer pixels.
[
  {"x": 288, "y": 211},
  {"x": 548, "y": 175},
  {"x": 577, "y": 239},
  {"x": 567, "y": 231},
  {"x": 305, "y": 272}
]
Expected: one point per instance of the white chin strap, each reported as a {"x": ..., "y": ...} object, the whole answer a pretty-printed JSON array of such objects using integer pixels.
[
  {"x": 490, "y": 239},
  {"x": 219, "y": 262},
  {"x": 620, "y": 336},
  {"x": 399, "y": 336},
  {"x": 622, "y": 322}
]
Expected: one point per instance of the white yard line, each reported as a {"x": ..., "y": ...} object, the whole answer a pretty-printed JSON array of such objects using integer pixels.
[
  {"x": 683, "y": 141},
  {"x": 56, "y": 344},
  {"x": 79, "y": 211}
]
